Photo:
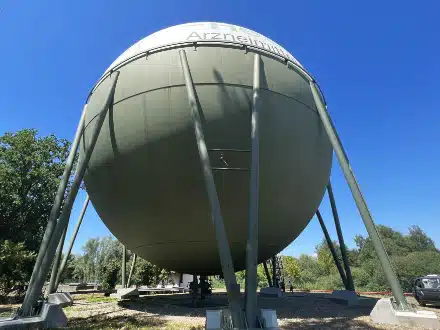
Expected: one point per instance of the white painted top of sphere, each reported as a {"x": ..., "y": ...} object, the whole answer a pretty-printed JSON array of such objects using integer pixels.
[{"x": 203, "y": 31}]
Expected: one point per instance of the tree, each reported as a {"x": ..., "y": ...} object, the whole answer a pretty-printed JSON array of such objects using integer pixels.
[
  {"x": 101, "y": 261},
  {"x": 91, "y": 254},
  {"x": 110, "y": 273},
  {"x": 100, "y": 257},
  {"x": 30, "y": 171},
  {"x": 395, "y": 244},
  {"x": 145, "y": 273},
  {"x": 411, "y": 255},
  {"x": 325, "y": 257},
  {"x": 310, "y": 271},
  {"x": 416, "y": 264},
  {"x": 261, "y": 277},
  {"x": 291, "y": 269},
  {"x": 15, "y": 264},
  {"x": 68, "y": 275},
  {"x": 418, "y": 241}
]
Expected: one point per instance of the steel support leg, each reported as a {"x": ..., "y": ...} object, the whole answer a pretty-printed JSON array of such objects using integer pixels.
[
  {"x": 349, "y": 278},
  {"x": 56, "y": 207},
  {"x": 266, "y": 271},
  {"x": 40, "y": 274},
  {"x": 124, "y": 264},
  {"x": 254, "y": 191},
  {"x": 332, "y": 249},
  {"x": 72, "y": 241},
  {"x": 56, "y": 264},
  {"x": 274, "y": 272},
  {"x": 221, "y": 236},
  {"x": 133, "y": 263},
  {"x": 360, "y": 201}
]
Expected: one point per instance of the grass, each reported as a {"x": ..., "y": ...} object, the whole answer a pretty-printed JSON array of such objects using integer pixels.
[
  {"x": 5, "y": 312},
  {"x": 93, "y": 299},
  {"x": 127, "y": 323}
]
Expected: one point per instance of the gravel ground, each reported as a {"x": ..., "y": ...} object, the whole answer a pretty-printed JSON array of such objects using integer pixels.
[{"x": 174, "y": 312}]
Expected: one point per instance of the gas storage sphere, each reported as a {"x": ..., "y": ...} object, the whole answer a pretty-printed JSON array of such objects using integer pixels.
[{"x": 145, "y": 178}]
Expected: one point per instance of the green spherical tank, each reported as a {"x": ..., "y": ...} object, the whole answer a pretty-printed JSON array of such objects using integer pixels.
[{"x": 145, "y": 178}]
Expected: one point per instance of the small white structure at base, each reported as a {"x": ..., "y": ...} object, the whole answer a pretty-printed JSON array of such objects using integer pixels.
[
  {"x": 126, "y": 293},
  {"x": 221, "y": 319},
  {"x": 269, "y": 319},
  {"x": 63, "y": 299},
  {"x": 52, "y": 316},
  {"x": 271, "y": 292},
  {"x": 384, "y": 312}
]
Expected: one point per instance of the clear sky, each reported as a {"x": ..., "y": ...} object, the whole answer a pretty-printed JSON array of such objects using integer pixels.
[{"x": 378, "y": 63}]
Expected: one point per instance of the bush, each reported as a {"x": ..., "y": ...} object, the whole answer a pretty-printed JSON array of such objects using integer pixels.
[
  {"x": 416, "y": 264},
  {"x": 109, "y": 274},
  {"x": 329, "y": 282},
  {"x": 15, "y": 265},
  {"x": 361, "y": 278}
]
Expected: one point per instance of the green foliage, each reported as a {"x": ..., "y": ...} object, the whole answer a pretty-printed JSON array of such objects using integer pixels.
[
  {"x": 145, "y": 273},
  {"x": 101, "y": 261},
  {"x": 217, "y": 283},
  {"x": 291, "y": 270},
  {"x": 95, "y": 299},
  {"x": 67, "y": 275},
  {"x": 411, "y": 255},
  {"x": 325, "y": 257},
  {"x": 261, "y": 277},
  {"x": 416, "y": 264},
  {"x": 417, "y": 240},
  {"x": 30, "y": 171},
  {"x": 15, "y": 263},
  {"x": 109, "y": 273},
  {"x": 329, "y": 282}
]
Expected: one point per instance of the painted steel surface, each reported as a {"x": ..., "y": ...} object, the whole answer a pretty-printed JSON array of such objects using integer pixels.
[{"x": 145, "y": 179}]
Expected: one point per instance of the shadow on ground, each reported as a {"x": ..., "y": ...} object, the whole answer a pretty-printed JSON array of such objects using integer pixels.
[
  {"x": 116, "y": 322},
  {"x": 338, "y": 323},
  {"x": 308, "y": 310},
  {"x": 175, "y": 305}
]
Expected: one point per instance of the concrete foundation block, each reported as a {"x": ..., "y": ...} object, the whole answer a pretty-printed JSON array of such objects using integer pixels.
[
  {"x": 349, "y": 297},
  {"x": 126, "y": 293},
  {"x": 271, "y": 292},
  {"x": 221, "y": 319},
  {"x": 384, "y": 312},
  {"x": 60, "y": 298},
  {"x": 213, "y": 320},
  {"x": 269, "y": 318},
  {"x": 52, "y": 316}
]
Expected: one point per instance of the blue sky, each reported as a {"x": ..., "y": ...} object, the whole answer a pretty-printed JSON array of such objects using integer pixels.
[{"x": 377, "y": 63}]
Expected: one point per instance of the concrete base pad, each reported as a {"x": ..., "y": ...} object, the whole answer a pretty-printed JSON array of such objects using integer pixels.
[
  {"x": 60, "y": 298},
  {"x": 348, "y": 297},
  {"x": 221, "y": 319},
  {"x": 384, "y": 312},
  {"x": 52, "y": 316},
  {"x": 126, "y": 293},
  {"x": 271, "y": 292}
]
